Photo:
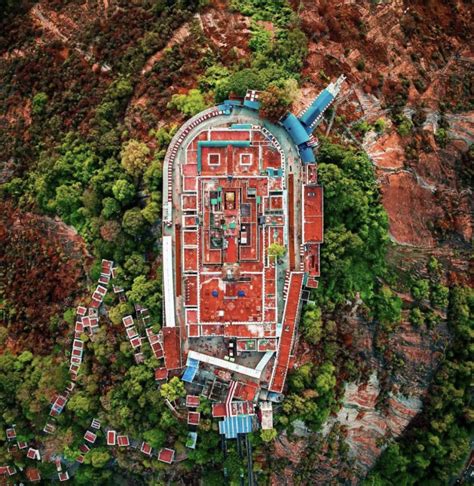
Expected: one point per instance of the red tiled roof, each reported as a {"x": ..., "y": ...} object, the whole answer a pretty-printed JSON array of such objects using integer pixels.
[
  {"x": 146, "y": 448},
  {"x": 286, "y": 340},
  {"x": 161, "y": 374},
  {"x": 219, "y": 410},
  {"x": 194, "y": 418},
  {"x": 172, "y": 348},
  {"x": 84, "y": 448},
  {"x": 192, "y": 401},
  {"x": 90, "y": 437},
  {"x": 123, "y": 441},
  {"x": 111, "y": 437},
  {"x": 166, "y": 455},
  {"x": 312, "y": 214}
]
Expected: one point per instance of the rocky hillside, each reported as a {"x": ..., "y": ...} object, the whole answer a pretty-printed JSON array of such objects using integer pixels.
[{"x": 107, "y": 70}]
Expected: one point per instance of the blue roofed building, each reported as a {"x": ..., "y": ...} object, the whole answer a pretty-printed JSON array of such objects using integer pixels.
[
  {"x": 192, "y": 366},
  {"x": 300, "y": 128},
  {"x": 230, "y": 427}
]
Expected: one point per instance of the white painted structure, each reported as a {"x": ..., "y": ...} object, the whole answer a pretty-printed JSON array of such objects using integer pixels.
[{"x": 168, "y": 282}]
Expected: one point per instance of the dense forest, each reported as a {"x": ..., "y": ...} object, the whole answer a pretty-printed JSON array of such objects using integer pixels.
[{"x": 90, "y": 160}]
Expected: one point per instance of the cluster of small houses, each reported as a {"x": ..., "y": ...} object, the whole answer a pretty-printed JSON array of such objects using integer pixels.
[
  {"x": 90, "y": 437},
  {"x": 87, "y": 319}
]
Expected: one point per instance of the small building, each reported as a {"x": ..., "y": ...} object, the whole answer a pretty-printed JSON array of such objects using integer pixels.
[
  {"x": 90, "y": 437},
  {"x": 131, "y": 332},
  {"x": 11, "y": 433},
  {"x": 33, "y": 454},
  {"x": 49, "y": 428},
  {"x": 7, "y": 470},
  {"x": 192, "y": 401},
  {"x": 80, "y": 459},
  {"x": 194, "y": 418},
  {"x": 166, "y": 455},
  {"x": 22, "y": 445},
  {"x": 111, "y": 437},
  {"x": 161, "y": 374},
  {"x": 123, "y": 441},
  {"x": 146, "y": 448},
  {"x": 95, "y": 424},
  {"x": 63, "y": 476},
  {"x": 81, "y": 310},
  {"x": 84, "y": 448},
  {"x": 191, "y": 440},
  {"x": 266, "y": 415},
  {"x": 58, "y": 405},
  {"x": 127, "y": 321},
  {"x": 33, "y": 475},
  {"x": 136, "y": 342}
]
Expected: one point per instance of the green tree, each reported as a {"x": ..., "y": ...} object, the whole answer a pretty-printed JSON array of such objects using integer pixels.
[
  {"x": 40, "y": 100},
  {"x": 268, "y": 435},
  {"x": 277, "y": 101},
  {"x": 276, "y": 251},
  {"x": 439, "y": 296},
  {"x": 189, "y": 104},
  {"x": 135, "y": 157},
  {"x": 133, "y": 222},
  {"x": 110, "y": 208},
  {"x": 173, "y": 390},
  {"x": 151, "y": 212},
  {"x": 416, "y": 317},
  {"x": 124, "y": 191},
  {"x": 136, "y": 265},
  {"x": 312, "y": 324},
  {"x": 420, "y": 289}
]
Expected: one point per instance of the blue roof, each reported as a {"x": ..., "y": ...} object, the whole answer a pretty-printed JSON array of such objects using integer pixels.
[
  {"x": 231, "y": 426},
  {"x": 253, "y": 105},
  {"x": 317, "y": 107},
  {"x": 233, "y": 102},
  {"x": 192, "y": 439},
  {"x": 307, "y": 154},
  {"x": 295, "y": 129},
  {"x": 192, "y": 366}
]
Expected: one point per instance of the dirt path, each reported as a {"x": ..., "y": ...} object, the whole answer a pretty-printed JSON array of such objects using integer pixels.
[{"x": 179, "y": 36}]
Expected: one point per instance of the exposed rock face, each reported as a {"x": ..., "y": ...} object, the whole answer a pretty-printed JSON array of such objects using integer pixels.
[
  {"x": 366, "y": 426},
  {"x": 392, "y": 57}
]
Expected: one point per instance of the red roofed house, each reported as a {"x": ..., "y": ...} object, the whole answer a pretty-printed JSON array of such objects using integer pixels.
[
  {"x": 33, "y": 475},
  {"x": 63, "y": 476},
  {"x": 33, "y": 454},
  {"x": 127, "y": 321},
  {"x": 80, "y": 459},
  {"x": 192, "y": 401},
  {"x": 84, "y": 448},
  {"x": 111, "y": 438},
  {"x": 90, "y": 437},
  {"x": 11, "y": 434},
  {"x": 161, "y": 374},
  {"x": 3, "y": 470},
  {"x": 146, "y": 448},
  {"x": 136, "y": 342},
  {"x": 122, "y": 441},
  {"x": 81, "y": 310},
  {"x": 219, "y": 410},
  {"x": 166, "y": 455},
  {"x": 194, "y": 418}
]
